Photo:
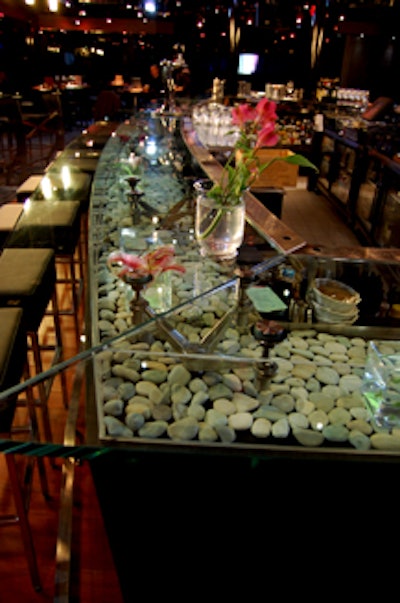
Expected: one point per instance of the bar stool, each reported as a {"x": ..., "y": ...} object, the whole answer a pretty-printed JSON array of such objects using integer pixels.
[
  {"x": 28, "y": 187},
  {"x": 55, "y": 225},
  {"x": 28, "y": 282},
  {"x": 10, "y": 213},
  {"x": 13, "y": 360}
]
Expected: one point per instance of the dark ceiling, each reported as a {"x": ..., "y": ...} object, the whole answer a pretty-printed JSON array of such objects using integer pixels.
[{"x": 264, "y": 13}]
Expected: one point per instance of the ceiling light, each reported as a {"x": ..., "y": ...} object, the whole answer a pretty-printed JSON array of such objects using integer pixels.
[
  {"x": 150, "y": 6},
  {"x": 53, "y": 5}
]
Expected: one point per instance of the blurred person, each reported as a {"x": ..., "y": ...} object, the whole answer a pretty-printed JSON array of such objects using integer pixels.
[
  {"x": 182, "y": 82},
  {"x": 153, "y": 87}
]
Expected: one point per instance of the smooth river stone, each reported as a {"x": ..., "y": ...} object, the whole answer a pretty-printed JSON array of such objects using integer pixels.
[
  {"x": 153, "y": 429},
  {"x": 298, "y": 342},
  {"x": 244, "y": 403},
  {"x": 385, "y": 441},
  {"x": 281, "y": 428},
  {"x": 126, "y": 390},
  {"x": 207, "y": 433},
  {"x": 261, "y": 428},
  {"x": 304, "y": 371},
  {"x": 200, "y": 397},
  {"x": 321, "y": 401},
  {"x": 333, "y": 347},
  {"x": 353, "y": 400},
  {"x": 298, "y": 421},
  {"x": 342, "y": 368},
  {"x": 197, "y": 385},
  {"x": 225, "y": 406},
  {"x": 359, "y": 440},
  {"x": 350, "y": 383},
  {"x": 116, "y": 428},
  {"x": 357, "y": 352},
  {"x": 327, "y": 375},
  {"x": 320, "y": 360},
  {"x": 142, "y": 408},
  {"x": 114, "y": 407},
  {"x": 339, "y": 416},
  {"x": 233, "y": 382},
  {"x": 245, "y": 373},
  {"x": 318, "y": 419},
  {"x": 180, "y": 394},
  {"x": 306, "y": 354},
  {"x": 179, "y": 375},
  {"x": 360, "y": 425},
  {"x": 225, "y": 433},
  {"x": 240, "y": 421},
  {"x": 197, "y": 411},
  {"x": 161, "y": 412},
  {"x": 215, "y": 418},
  {"x": 219, "y": 390},
  {"x": 305, "y": 407},
  {"x": 150, "y": 390},
  {"x": 299, "y": 393},
  {"x": 183, "y": 429},
  {"x": 154, "y": 375},
  {"x": 308, "y": 437},
  {"x": 135, "y": 421},
  {"x": 125, "y": 372},
  {"x": 250, "y": 389},
  {"x": 336, "y": 433},
  {"x": 269, "y": 412},
  {"x": 284, "y": 402}
]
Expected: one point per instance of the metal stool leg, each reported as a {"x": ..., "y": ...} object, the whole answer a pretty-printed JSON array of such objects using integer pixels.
[{"x": 22, "y": 518}]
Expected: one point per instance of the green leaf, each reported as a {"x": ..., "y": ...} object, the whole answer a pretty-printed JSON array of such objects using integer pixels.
[{"x": 297, "y": 159}]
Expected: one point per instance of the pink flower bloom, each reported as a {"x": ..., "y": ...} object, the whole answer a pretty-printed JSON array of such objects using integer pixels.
[
  {"x": 267, "y": 136},
  {"x": 265, "y": 110},
  {"x": 243, "y": 114},
  {"x": 152, "y": 263}
]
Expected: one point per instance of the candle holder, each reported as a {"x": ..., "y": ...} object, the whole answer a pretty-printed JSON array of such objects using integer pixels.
[
  {"x": 138, "y": 304},
  {"x": 268, "y": 333}
]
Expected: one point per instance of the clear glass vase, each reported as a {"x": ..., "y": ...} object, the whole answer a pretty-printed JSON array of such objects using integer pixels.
[{"x": 219, "y": 230}]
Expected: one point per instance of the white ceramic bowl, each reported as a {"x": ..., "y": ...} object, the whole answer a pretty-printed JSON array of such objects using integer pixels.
[
  {"x": 324, "y": 314},
  {"x": 334, "y": 295}
]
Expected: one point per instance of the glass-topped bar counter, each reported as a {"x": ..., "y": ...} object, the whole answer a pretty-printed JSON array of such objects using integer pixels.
[
  {"x": 196, "y": 366},
  {"x": 191, "y": 370}
]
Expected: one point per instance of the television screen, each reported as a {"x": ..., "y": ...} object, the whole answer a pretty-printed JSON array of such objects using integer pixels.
[{"x": 248, "y": 63}]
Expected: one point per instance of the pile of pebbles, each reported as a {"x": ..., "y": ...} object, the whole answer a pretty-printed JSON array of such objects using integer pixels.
[{"x": 314, "y": 399}]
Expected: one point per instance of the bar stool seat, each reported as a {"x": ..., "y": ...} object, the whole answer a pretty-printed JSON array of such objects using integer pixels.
[
  {"x": 28, "y": 187},
  {"x": 28, "y": 282},
  {"x": 13, "y": 351},
  {"x": 55, "y": 225},
  {"x": 52, "y": 224},
  {"x": 9, "y": 216}
]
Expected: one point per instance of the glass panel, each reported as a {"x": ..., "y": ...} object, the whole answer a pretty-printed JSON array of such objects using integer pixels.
[
  {"x": 340, "y": 187},
  {"x": 224, "y": 356},
  {"x": 388, "y": 233},
  {"x": 367, "y": 194}
]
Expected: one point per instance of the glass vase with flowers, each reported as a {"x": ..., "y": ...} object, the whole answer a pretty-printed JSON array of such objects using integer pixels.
[{"x": 220, "y": 209}]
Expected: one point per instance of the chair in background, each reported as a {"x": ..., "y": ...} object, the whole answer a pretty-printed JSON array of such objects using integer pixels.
[
  {"x": 107, "y": 106},
  {"x": 42, "y": 119}
]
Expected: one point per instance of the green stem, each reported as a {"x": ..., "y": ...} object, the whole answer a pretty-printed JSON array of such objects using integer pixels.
[{"x": 213, "y": 224}]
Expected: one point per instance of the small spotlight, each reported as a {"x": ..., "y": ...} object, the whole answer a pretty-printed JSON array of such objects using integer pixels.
[{"x": 150, "y": 6}]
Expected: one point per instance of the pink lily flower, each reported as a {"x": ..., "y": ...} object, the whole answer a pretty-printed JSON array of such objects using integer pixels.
[
  {"x": 267, "y": 136},
  {"x": 243, "y": 114},
  {"x": 152, "y": 263},
  {"x": 266, "y": 111}
]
